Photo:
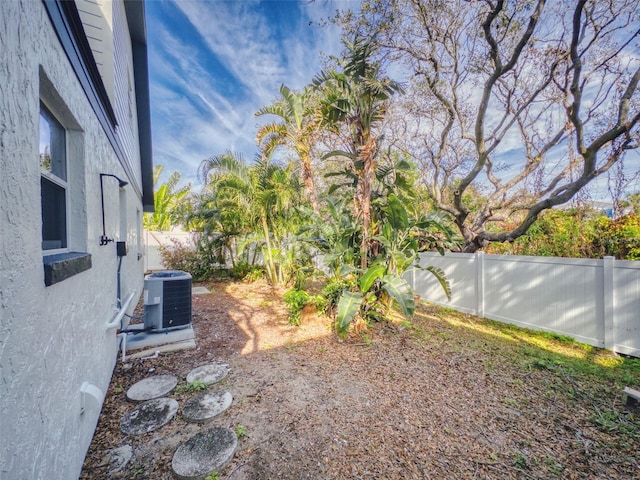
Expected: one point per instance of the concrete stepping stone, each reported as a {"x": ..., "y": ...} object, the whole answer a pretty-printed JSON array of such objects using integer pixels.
[
  {"x": 199, "y": 291},
  {"x": 203, "y": 453},
  {"x": 119, "y": 457},
  {"x": 206, "y": 405},
  {"x": 149, "y": 416},
  {"x": 208, "y": 374},
  {"x": 152, "y": 387}
]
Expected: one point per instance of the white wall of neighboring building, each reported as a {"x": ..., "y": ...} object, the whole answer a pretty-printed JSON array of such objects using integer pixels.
[
  {"x": 153, "y": 240},
  {"x": 54, "y": 338}
]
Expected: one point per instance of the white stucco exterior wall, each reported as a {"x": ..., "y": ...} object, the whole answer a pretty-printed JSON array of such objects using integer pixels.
[{"x": 53, "y": 338}]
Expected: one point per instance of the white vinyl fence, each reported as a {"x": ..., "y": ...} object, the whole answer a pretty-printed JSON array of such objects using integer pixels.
[
  {"x": 152, "y": 242},
  {"x": 597, "y": 302}
]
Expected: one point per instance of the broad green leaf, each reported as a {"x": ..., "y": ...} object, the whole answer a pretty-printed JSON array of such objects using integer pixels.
[
  {"x": 398, "y": 288},
  {"x": 370, "y": 276},
  {"x": 348, "y": 306},
  {"x": 396, "y": 213},
  {"x": 442, "y": 279},
  {"x": 346, "y": 270},
  {"x": 337, "y": 186}
]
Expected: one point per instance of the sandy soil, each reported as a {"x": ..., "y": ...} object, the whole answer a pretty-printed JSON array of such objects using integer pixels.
[{"x": 428, "y": 400}]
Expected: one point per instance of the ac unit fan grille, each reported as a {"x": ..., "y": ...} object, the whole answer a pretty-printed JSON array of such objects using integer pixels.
[{"x": 176, "y": 304}]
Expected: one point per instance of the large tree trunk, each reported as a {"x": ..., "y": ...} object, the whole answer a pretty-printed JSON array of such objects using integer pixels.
[{"x": 307, "y": 179}]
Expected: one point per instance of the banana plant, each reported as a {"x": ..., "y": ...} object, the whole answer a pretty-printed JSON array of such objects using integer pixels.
[
  {"x": 382, "y": 284},
  {"x": 376, "y": 288}
]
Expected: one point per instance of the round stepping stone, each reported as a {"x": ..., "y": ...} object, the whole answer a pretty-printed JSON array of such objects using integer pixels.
[
  {"x": 203, "y": 453},
  {"x": 119, "y": 457},
  {"x": 152, "y": 387},
  {"x": 208, "y": 374},
  {"x": 148, "y": 416},
  {"x": 205, "y": 406}
]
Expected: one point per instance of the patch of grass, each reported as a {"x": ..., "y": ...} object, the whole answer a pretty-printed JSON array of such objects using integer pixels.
[
  {"x": 613, "y": 421},
  {"x": 520, "y": 461},
  {"x": 534, "y": 350},
  {"x": 416, "y": 330},
  {"x": 195, "y": 386},
  {"x": 213, "y": 476},
  {"x": 241, "y": 431},
  {"x": 512, "y": 402},
  {"x": 554, "y": 467}
]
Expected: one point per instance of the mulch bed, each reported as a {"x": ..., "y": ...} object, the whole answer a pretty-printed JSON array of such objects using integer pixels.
[{"x": 428, "y": 399}]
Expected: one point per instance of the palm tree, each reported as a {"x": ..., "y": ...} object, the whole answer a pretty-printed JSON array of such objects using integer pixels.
[
  {"x": 265, "y": 194},
  {"x": 168, "y": 204},
  {"x": 355, "y": 99},
  {"x": 296, "y": 131}
]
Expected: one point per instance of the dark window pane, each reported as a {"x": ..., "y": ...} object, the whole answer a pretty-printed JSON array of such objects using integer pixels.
[
  {"x": 54, "y": 215},
  {"x": 52, "y": 144}
]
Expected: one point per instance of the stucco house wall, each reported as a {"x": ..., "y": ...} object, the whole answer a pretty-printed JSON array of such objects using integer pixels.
[{"x": 54, "y": 339}]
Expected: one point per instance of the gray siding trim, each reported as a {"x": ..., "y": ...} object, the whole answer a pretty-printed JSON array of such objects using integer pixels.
[
  {"x": 66, "y": 22},
  {"x": 137, "y": 26},
  {"x": 144, "y": 123}
]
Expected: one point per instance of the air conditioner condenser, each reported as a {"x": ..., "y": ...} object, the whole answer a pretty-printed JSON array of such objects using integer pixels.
[{"x": 167, "y": 300}]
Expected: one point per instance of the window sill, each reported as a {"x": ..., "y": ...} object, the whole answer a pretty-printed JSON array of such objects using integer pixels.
[{"x": 60, "y": 266}]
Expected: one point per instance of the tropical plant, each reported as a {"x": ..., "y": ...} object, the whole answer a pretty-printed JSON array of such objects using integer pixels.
[
  {"x": 224, "y": 227},
  {"x": 382, "y": 283},
  {"x": 335, "y": 235},
  {"x": 169, "y": 205},
  {"x": 297, "y": 131},
  {"x": 266, "y": 196},
  {"x": 354, "y": 100}
]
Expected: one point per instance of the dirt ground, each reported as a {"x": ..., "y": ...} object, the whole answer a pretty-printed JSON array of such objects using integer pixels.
[{"x": 404, "y": 401}]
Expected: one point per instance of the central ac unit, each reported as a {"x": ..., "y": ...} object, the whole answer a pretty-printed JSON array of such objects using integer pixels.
[{"x": 167, "y": 300}]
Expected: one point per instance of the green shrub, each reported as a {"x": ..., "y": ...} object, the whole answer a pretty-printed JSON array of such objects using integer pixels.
[
  {"x": 330, "y": 295},
  {"x": 295, "y": 300},
  {"x": 246, "y": 271},
  {"x": 188, "y": 259}
]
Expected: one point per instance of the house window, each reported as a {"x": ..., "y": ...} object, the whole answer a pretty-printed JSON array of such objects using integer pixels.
[{"x": 53, "y": 181}]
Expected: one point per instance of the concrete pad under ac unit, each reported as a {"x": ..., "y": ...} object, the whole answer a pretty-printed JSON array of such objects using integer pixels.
[{"x": 137, "y": 341}]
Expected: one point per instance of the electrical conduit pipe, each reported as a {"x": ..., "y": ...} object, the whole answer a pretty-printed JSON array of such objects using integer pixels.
[{"x": 115, "y": 323}]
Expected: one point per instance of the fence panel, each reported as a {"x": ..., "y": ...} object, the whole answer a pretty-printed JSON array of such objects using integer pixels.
[
  {"x": 594, "y": 301},
  {"x": 626, "y": 280},
  {"x": 552, "y": 294},
  {"x": 460, "y": 272}
]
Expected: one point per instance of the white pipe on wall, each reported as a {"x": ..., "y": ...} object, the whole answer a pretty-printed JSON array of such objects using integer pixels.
[{"x": 115, "y": 323}]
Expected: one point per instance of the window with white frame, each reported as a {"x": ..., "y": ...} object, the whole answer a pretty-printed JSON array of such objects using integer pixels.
[{"x": 53, "y": 181}]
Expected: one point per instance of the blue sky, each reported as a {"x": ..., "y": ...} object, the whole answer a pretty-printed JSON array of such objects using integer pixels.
[{"x": 214, "y": 63}]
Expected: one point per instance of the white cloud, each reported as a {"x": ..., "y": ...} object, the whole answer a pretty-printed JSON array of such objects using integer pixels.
[{"x": 199, "y": 111}]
